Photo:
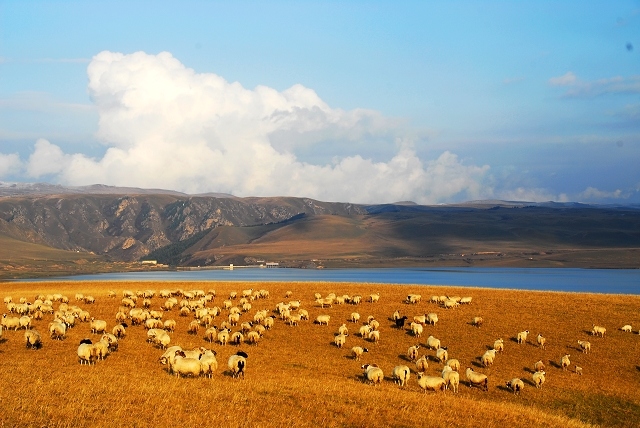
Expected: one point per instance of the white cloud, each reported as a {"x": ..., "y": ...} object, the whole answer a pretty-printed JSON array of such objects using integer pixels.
[
  {"x": 532, "y": 195},
  {"x": 611, "y": 85},
  {"x": 9, "y": 164},
  {"x": 566, "y": 79},
  {"x": 167, "y": 126},
  {"x": 592, "y": 193}
]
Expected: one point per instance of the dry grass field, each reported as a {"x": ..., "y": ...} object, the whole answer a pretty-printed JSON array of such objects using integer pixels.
[{"x": 296, "y": 376}]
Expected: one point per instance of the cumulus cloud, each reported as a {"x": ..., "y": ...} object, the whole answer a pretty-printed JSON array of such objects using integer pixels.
[
  {"x": 166, "y": 126},
  {"x": 532, "y": 195},
  {"x": 9, "y": 164}
]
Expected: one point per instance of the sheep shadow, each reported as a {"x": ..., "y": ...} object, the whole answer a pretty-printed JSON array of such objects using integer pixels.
[
  {"x": 405, "y": 358},
  {"x": 514, "y": 339},
  {"x": 503, "y": 387},
  {"x": 637, "y": 367},
  {"x": 528, "y": 370},
  {"x": 529, "y": 382},
  {"x": 477, "y": 364},
  {"x": 555, "y": 364},
  {"x": 587, "y": 332}
]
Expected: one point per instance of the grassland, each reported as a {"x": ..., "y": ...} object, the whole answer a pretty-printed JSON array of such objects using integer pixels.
[{"x": 297, "y": 377}]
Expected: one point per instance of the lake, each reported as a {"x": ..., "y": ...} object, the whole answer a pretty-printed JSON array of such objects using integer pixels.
[{"x": 615, "y": 281}]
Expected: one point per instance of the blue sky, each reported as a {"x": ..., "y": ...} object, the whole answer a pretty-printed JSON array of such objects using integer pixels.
[{"x": 357, "y": 101}]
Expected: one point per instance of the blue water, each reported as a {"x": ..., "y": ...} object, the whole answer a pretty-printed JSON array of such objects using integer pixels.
[{"x": 616, "y": 281}]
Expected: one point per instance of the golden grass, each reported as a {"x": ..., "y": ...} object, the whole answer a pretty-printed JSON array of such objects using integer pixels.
[{"x": 296, "y": 376}]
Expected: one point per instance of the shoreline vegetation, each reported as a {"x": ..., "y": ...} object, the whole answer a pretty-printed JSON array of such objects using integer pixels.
[{"x": 296, "y": 375}]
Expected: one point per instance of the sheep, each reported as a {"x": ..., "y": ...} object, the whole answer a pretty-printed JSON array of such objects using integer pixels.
[
  {"x": 374, "y": 298},
  {"x": 326, "y": 302},
  {"x": 400, "y": 321},
  {"x": 182, "y": 365},
  {"x": 323, "y": 319},
  {"x": 498, "y": 345},
  {"x": 401, "y": 374},
  {"x": 626, "y": 328},
  {"x": 539, "y": 366},
  {"x": 343, "y": 329},
  {"x": 193, "y": 327},
  {"x": 454, "y": 364},
  {"x": 10, "y": 322},
  {"x": 86, "y": 352},
  {"x": 598, "y": 331},
  {"x": 465, "y": 300},
  {"x": 412, "y": 352},
  {"x": 340, "y": 340},
  {"x": 416, "y": 329},
  {"x": 522, "y": 336},
  {"x": 538, "y": 378},
  {"x": 413, "y": 299},
  {"x": 432, "y": 318},
  {"x": 357, "y": 351},
  {"x": 33, "y": 339},
  {"x": 565, "y": 362},
  {"x": 268, "y": 322},
  {"x": 209, "y": 363},
  {"x": 374, "y": 336},
  {"x": 98, "y": 326},
  {"x": 237, "y": 338},
  {"x": 162, "y": 339},
  {"x": 450, "y": 304},
  {"x": 431, "y": 383},
  {"x": 541, "y": 340},
  {"x": 442, "y": 355},
  {"x": 223, "y": 336},
  {"x": 477, "y": 321},
  {"x": 578, "y": 370},
  {"x": 420, "y": 319},
  {"x": 374, "y": 324},
  {"x": 476, "y": 378},
  {"x": 293, "y": 320},
  {"x": 585, "y": 346},
  {"x": 433, "y": 343},
  {"x": 25, "y": 322},
  {"x": 101, "y": 349},
  {"x": 488, "y": 357},
  {"x": 113, "y": 341},
  {"x": 253, "y": 337},
  {"x": 422, "y": 364},
  {"x": 57, "y": 330},
  {"x": 354, "y": 317},
  {"x": 516, "y": 384},
  {"x": 119, "y": 330},
  {"x": 210, "y": 334},
  {"x": 237, "y": 363},
  {"x": 373, "y": 374},
  {"x": 304, "y": 314},
  {"x": 169, "y": 325},
  {"x": 451, "y": 378}
]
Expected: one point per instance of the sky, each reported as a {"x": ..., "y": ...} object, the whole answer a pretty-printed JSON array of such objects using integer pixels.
[{"x": 349, "y": 101}]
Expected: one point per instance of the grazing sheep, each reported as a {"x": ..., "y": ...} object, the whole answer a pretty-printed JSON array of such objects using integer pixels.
[
  {"x": 223, "y": 336},
  {"x": 442, "y": 355},
  {"x": 25, "y": 322},
  {"x": 374, "y": 324},
  {"x": 498, "y": 345},
  {"x": 598, "y": 331},
  {"x": 517, "y": 385},
  {"x": 488, "y": 357},
  {"x": 431, "y": 383},
  {"x": 182, "y": 365},
  {"x": 454, "y": 364},
  {"x": 86, "y": 352},
  {"x": 416, "y": 329},
  {"x": 400, "y": 321},
  {"x": 97, "y": 326},
  {"x": 539, "y": 366},
  {"x": 374, "y": 336},
  {"x": 374, "y": 298},
  {"x": 565, "y": 362},
  {"x": 340, "y": 340},
  {"x": 626, "y": 328},
  {"x": 420, "y": 319},
  {"x": 432, "y": 318},
  {"x": 450, "y": 304},
  {"x": 538, "y": 378},
  {"x": 477, "y": 321},
  {"x": 33, "y": 339},
  {"x": 237, "y": 363},
  {"x": 412, "y": 352},
  {"x": 209, "y": 363},
  {"x": 210, "y": 334},
  {"x": 476, "y": 378},
  {"x": 57, "y": 330},
  {"x": 401, "y": 374},
  {"x": 522, "y": 336},
  {"x": 541, "y": 340},
  {"x": 237, "y": 338},
  {"x": 357, "y": 351},
  {"x": 451, "y": 378},
  {"x": 323, "y": 319},
  {"x": 253, "y": 337},
  {"x": 578, "y": 370},
  {"x": 268, "y": 322},
  {"x": 169, "y": 325},
  {"x": 413, "y": 298},
  {"x": 433, "y": 343},
  {"x": 304, "y": 314},
  {"x": 465, "y": 300},
  {"x": 373, "y": 374},
  {"x": 354, "y": 317},
  {"x": 112, "y": 340},
  {"x": 422, "y": 364},
  {"x": 119, "y": 330},
  {"x": 102, "y": 349},
  {"x": 10, "y": 322},
  {"x": 343, "y": 329},
  {"x": 585, "y": 346}
]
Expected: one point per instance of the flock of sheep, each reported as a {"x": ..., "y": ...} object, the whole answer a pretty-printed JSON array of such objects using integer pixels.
[{"x": 238, "y": 323}]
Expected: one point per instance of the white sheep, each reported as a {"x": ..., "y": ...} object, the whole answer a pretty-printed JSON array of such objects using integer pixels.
[
  {"x": 374, "y": 298},
  {"x": 451, "y": 378},
  {"x": 516, "y": 384},
  {"x": 182, "y": 365},
  {"x": 364, "y": 330},
  {"x": 10, "y": 322},
  {"x": 343, "y": 329},
  {"x": 98, "y": 326},
  {"x": 565, "y": 362},
  {"x": 373, "y": 374},
  {"x": 223, "y": 336},
  {"x": 101, "y": 349},
  {"x": 598, "y": 331},
  {"x": 476, "y": 378},
  {"x": 498, "y": 345},
  {"x": 541, "y": 340},
  {"x": 323, "y": 319},
  {"x": 32, "y": 339},
  {"x": 522, "y": 336},
  {"x": 539, "y": 366},
  {"x": 354, "y": 317},
  {"x": 465, "y": 300},
  {"x": 416, "y": 329},
  {"x": 477, "y": 321},
  {"x": 119, "y": 330},
  {"x": 86, "y": 352},
  {"x": 401, "y": 374},
  {"x": 209, "y": 363},
  {"x": 237, "y": 338},
  {"x": 340, "y": 340},
  {"x": 431, "y": 383},
  {"x": 422, "y": 364},
  {"x": 253, "y": 337},
  {"x": 585, "y": 346},
  {"x": 538, "y": 378},
  {"x": 413, "y": 298},
  {"x": 237, "y": 363},
  {"x": 442, "y": 354},
  {"x": 626, "y": 328},
  {"x": 357, "y": 351},
  {"x": 25, "y": 322},
  {"x": 488, "y": 357},
  {"x": 57, "y": 330},
  {"x": 412, "y": 352},
  {"x": 433, "y": 343},
  {"x": 454, "y": 364}
]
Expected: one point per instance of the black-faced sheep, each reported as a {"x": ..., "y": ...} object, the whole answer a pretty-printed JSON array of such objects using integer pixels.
[
  {"x": 32, "y": 339},
  {"x": 598, "y": 331},
  {"x": 357, "y": 351},
  {"x": 522, "y": 336},
  {"x": 372, "y": 374},
  {"x": 541, "y": 340},
  {"x": 538, "y": 378},
  {"x": 431, "y": 383},
  {"x": 565, "y": 362},
  {"x": 476, "y": 378},
  {"x": 585, "y": 346},
  {"x": 515, "y": 384},
  {"x": 401, "y": 374},
  {"x": 237, "y": 363}
]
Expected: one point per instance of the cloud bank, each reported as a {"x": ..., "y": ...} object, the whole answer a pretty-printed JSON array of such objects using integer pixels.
[{"x": 166, "y": 126}]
